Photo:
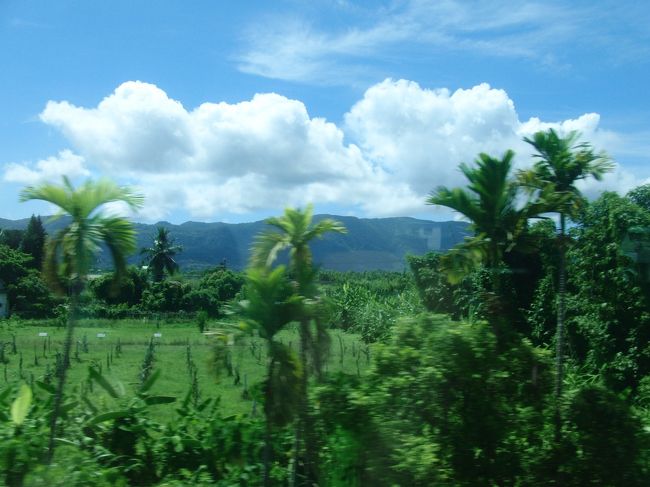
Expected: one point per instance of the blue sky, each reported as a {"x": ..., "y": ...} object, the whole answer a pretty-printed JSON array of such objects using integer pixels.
[{"x": 230, "y": 113}]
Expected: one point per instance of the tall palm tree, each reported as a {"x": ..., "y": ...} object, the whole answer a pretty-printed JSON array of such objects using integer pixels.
[
  {"x": 491, "y": 203},
  {"x": 71, "y": 251},
  {"x": 271, "y": 304},
  {"x": 294, "y": 231},
  {"x": 561, "y": 163},
  {"x": 161, "y": 255}
]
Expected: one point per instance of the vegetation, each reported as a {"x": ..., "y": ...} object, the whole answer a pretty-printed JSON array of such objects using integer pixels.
[
  {"x": 561, "y": 163},
  {"x": 160, "y": 257},
  {"x": 289, "y": 375},
  {"x": 295, "y": 232},
  {"x": 69, "y": 254}
]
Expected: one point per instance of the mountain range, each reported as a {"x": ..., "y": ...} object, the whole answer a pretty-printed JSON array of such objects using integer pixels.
[{"x": 370, "y": 244}]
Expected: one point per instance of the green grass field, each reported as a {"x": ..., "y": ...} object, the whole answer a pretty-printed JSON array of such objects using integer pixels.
[{"x": 121, "y": 352}]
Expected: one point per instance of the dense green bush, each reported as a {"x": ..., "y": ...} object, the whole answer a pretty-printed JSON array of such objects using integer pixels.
[
  {"x": 609, "y": 313},
  {"x": 28, "y": 295},
  {"x": 443, "y": 406},
  {"x": 370, "y": 310},
  {"x": 127, "y": 291},
  {"x": 604, "y": 442}
]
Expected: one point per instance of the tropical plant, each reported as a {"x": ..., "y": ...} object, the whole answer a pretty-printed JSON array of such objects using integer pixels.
[
  {"x": 294, "y": 231},
  {"x": 560, "y": 163},
  {"x": 442, "y": 404},
  {"x": 161, "y": 255},
  {"x": 608, "y": 315},
  {"x": 271, "y": 304},
  {"x": 491, "y": 203},
  {"x": 70, "y": 252}
]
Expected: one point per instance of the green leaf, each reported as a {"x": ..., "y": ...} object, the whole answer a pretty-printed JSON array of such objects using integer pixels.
[
  {"x": 21, "y": 405},
  {"x": 90, "y": 405},
  {"x": 152, "y": 400},
  {"x": 4, "y": 394},
  {"x": 69, "y": 406},
  {"x": 64, "y": 441},
  {"x": 204, "y": 405},
  {"x": 148, "y": 384},
  {"x": 101, "y": 380},
  {"x": 46, "y": 387},
  {"x": 101, "y": 418}
]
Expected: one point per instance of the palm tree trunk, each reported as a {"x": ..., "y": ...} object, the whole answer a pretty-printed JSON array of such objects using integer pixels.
[
  {"x": 268, "y": 453},
  {"x": 304, "y": 427},
  {"x": 62, "y": 372},
  {"x": 559, "y": 338}
]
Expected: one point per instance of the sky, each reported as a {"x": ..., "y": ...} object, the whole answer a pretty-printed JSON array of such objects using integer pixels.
[{"x": 231, "y": 111}]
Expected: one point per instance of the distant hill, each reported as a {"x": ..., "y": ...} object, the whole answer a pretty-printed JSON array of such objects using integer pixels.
[{"x": 370, "y": 244}]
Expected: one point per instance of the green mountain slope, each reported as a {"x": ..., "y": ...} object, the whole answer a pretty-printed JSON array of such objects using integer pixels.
[{"x": 370, "y": 244}]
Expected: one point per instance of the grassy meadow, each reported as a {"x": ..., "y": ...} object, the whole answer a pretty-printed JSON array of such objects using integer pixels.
[{"x": 182, "y": 353}]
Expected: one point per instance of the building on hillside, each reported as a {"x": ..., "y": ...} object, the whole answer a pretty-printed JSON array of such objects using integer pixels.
[{"x": 4, "y": 301}]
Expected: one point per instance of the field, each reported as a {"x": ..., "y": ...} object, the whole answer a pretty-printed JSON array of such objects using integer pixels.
[{"x": 181, "y": 353}]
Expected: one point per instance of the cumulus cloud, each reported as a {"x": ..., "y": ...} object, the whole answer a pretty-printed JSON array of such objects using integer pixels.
[
  {"x": 50, "y": 169},
  {"x": 419, "y": 136},
  {"x": 137, "y": 128},
  {"x": 397, "y": 143},
  {"x": 218, "y": 157}
]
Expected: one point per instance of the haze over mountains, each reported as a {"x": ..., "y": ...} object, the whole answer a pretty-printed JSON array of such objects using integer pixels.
[{"x": 370, "y": 244}]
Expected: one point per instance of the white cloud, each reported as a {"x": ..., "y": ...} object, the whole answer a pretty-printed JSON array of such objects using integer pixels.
[
  {"x": 50, "y": 169},
  {"x": 291, "y": 48},
  {"x": 218, "y": 157},
  {"x": 137, "y": 128},
  {"x": 419, "y": 136},
  {"x": 397, "y": 143}
]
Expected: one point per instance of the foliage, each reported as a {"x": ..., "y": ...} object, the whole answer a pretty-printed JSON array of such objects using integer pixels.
[
  {"x": 33, "y": 241},
  {"x": 604, "y": 444},
  {"x": 126, "y": 289},
  {"x": 11, "y": 238},
  {"x": 71, "y": 251},
  {"x": 561, "y": 162},
  {"x": 294, "y": 231},
  {"x": 368, "y": 303},
  {"x": 168, "y": 295},
  {"x": 161, "y": 255},
  {"x": 443, "y": 390},
  {"x": 641, "y": 196},
  {"x": 609, "y": 317},
  {"x": 30, "y": 297},
  {"x": 491, "y": 203},
  {"x": 433, "y": 287},
  {"x": 27, "y": 293},
  {"x": 14, "y": 264},
  {"x": 224, "y": 283}
]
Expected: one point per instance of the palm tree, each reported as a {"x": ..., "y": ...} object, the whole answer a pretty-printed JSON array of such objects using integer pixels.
[
  {"x": 294, "y": 231},
  {"x": 270, "y": 305},
  {"x": 490, "y": 202},
  {"x": 561, "y": 162},
  {"x": 161, "y": 255},
  {"x": 71, "y": 251}
]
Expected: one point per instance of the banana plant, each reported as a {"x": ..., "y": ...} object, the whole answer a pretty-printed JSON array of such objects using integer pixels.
[{"x": 124, "y": 435}]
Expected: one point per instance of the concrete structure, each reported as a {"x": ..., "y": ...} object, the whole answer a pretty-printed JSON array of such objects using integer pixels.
[{"x": 4, "y": 301}]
